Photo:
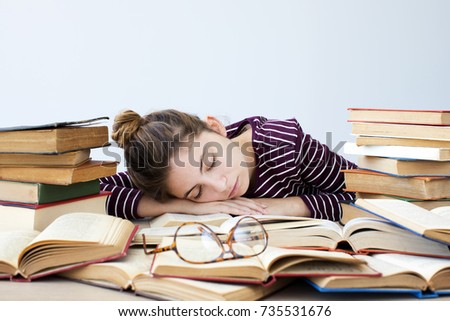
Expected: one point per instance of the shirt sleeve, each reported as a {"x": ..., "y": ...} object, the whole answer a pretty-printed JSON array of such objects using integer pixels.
[
  {"x": 124, "y": 198},
  {"x": 322, "y": 168}
]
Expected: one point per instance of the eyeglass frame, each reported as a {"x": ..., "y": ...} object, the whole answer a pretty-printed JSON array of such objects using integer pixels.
[{"x": 228, "y": 242}]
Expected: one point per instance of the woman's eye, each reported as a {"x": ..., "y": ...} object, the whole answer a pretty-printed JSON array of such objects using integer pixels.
[
  {"x": 199, "y": 193},
  {"x": 212, "y": 163}
]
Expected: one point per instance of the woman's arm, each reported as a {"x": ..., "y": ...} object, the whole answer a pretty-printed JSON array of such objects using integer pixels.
[
  {"x": 288, "y": 206},
  {"x": 322, "y": 169},
  {"x": 149, "y": 207},
  {"x": 128, "y": 202}
]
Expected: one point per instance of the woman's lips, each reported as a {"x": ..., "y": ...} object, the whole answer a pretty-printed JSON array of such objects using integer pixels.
[{"x": 234, "y": 190}]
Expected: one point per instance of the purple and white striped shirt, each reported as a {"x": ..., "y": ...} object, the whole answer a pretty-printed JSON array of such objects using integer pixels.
[{"x": 288, "y": 163}]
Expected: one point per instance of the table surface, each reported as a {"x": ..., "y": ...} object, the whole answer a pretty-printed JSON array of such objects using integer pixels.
[{"x": 59, "y": 289}]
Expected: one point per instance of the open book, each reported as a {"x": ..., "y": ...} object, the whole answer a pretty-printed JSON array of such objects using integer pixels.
[
  {"x": 132, "y": 273},
  {"x": 265, "y": 268},
  {"x": 398, "y": 271},
  {"x": 433, "y": 224},
  {"x": 72, "y": 240},
  {"x": 359, "y": 235}
]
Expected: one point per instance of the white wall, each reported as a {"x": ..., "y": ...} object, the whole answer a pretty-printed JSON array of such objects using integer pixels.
[{"x": 68, "y": 60}]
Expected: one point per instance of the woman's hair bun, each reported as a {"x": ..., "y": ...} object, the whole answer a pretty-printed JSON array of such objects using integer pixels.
[{"x": 126, "y": 125}]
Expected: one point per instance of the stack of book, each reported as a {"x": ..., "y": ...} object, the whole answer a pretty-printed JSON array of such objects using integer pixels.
[
  {"x": 401, "y": 153},
  {"x": 46, "y": 171},
  {"x": 403, "y": 181}
]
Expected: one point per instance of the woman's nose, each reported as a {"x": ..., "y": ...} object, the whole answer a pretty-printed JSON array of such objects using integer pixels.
[{"x": 218, "y": 183}]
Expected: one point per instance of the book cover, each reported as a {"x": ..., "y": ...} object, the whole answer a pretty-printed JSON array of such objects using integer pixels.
[
  {"x": 69, "y": 159},
  {"x": 415, "y": 187},
  {"x": 402, "y": 130},
  {"x": 53, "y": 141},
  {"x": 90, "y": 170},
  {"x": 14, "y": 215},
  {"x": 85, "y": 122},
  {"x": 400, "y": 116},
  {"x": 404, "y": 152},
  {"x": 39, "y": 193}
]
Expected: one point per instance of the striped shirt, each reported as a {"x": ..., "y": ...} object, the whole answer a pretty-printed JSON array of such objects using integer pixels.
[{"x": 288, "y": 163}]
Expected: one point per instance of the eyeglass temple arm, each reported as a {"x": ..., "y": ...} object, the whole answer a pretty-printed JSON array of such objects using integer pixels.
[{"x": 158, "y": 249}]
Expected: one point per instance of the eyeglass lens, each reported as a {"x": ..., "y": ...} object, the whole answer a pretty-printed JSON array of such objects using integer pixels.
[
  {"x": 249, "y": 238},
  {"x": 197, "y": 243},
  {"x": 200, "y": 246}
]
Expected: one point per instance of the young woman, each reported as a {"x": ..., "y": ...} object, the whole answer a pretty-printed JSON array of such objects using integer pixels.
[{"x": 177, "y": 162}]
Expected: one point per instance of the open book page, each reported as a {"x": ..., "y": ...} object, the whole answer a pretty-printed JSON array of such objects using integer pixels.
[
  {"x": 176, "y": 219},
  {"x": 170, "y": 264},
  {"x": 277, "y": 259},
  {"x": 443, "y": 211},
  {"x": 392, "y": 276},
  {"x": 278, "y": 222},
  {"x": 367, "y": 234},
  {"x": 120, "y": 272},
  {"x": 186, "y": 289},
  {"x": 85, "y": 227},
  {"x": 406, "y": 214},
  {"x": 427, "y": 267},
  {"x": 12, "y": 243}
]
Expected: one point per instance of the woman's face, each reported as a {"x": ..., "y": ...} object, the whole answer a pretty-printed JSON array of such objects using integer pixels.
[{"x": 214, "y": 168}]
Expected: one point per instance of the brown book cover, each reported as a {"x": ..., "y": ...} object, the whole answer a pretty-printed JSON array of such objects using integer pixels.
[{"x": 60, "y": 175}]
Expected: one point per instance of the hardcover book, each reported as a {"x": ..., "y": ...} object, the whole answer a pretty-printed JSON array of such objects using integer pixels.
[
  {"x": 38, "y": 193},
  {"x": 53, "y": 141},
  {"x": 410, "y": 152},
  {"x": 404, "y": 167},
  {"x": 69, "y": 159},
  {"x": 417, "y": 187},
  {"x": 15, "y": 215},
  {"x": 402, "y": 130},
  {"x": 90, "y": 170},
  {"x": 421, "y": 276},
  {"x": 401, "y": 116},
  {"x": 434, "y": 225}
]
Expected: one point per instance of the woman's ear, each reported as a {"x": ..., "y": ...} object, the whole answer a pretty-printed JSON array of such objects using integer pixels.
[{"x": 216, "y": 125}]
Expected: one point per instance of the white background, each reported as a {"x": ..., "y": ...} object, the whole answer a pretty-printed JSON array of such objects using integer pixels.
[{"x": 71, "y": 60}]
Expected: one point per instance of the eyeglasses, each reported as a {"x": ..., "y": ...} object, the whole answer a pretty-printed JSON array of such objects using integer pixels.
[{"x": 196, "y": 243}]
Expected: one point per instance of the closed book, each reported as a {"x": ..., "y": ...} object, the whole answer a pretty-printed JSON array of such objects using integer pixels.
[
  {"x": 410, "y": 152},
  {"x": 87, "y": 171},
  {"x": 401, "y": 116},
  {"x": 418, "y": 187},
  {"x": 15, "y": 215},
  {"x": 362, "y": 140},
  {"x": 53, "y": 141},
  {"x": 405, "y": 167},
  {"x": 69, "y": 159},
  {"x": 402, "y": 130},
  {"x": 38, "y": 193}
]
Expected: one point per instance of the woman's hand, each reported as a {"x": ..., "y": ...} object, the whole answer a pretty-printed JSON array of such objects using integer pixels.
[
  {"x": 289, "y": 206},
  {"x": 236, "y": 206},
  {"x": 239, "y": 206}
]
